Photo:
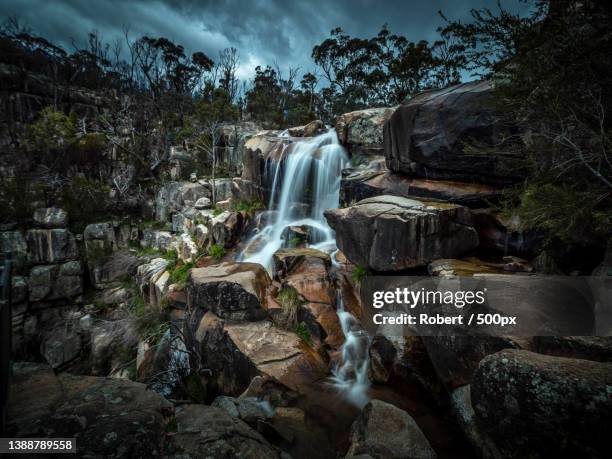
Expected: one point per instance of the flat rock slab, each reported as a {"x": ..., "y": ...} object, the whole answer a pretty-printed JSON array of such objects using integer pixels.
[{"x": 390, "y": 233}]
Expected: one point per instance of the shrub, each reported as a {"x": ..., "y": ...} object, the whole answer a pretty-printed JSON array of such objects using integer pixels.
[
  {"x": 290, "y": 301},
  {"x": 52, "y": 131},
  {"x": 358, "y": 273},
  {"x": 250, "y": 207},
  {"x": 216, "y": 251},
  {"x": 303, "y": 333},
  {"x": 179, "y": 273}
]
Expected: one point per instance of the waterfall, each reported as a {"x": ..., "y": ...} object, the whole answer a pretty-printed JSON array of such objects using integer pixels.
[{"x": 306, "y": 182}]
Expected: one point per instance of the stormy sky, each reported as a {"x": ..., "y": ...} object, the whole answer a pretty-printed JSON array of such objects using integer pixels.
[{"x": 263, "y": 31}]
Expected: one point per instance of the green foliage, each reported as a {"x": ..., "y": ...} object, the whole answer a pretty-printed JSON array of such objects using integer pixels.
[
  {"x": 148, "y": 252},
  {"x": 217, "y": 211},
  {"x": 296, "y": 241},
  {"x": 290, "y": 301},
  {"x": 16, "y": 196},
  {"x": 216, "y": 251},
  {"x": 563, "y": 213},
  {"x": 86, "y": 199},
  {"x": 52, "y": 131},
  {"x": 250, "y": 207},
  {"x": 303, "y": 333},
  {"x": 180, "y": 273},
  {"x": 358, "y": 273}
]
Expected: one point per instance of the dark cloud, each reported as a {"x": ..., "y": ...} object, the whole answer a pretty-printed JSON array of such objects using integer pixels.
[{"x": 264, "y": 31}]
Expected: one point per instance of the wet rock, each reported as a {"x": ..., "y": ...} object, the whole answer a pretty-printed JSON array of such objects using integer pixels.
[
  {"x": 50, "y": 217},
  {"x": 383, "y": 356},
  {"x": 361, "y": 131},
  {"x": 390, "y": 233},
  {"x": 261, "y": 151},
  {"x": 364, "y": 183},
  {"x": 52, "y": 282},
  {"x": 533, "y": 405},
  {"x": 235, "y": 291},
  {"x": 427, "y": 136},
  {"x": 110, "y": 417},
  {"x": 208, "y": 431},
  {"x": 311, "y": 129},
  {"x": 51, "y": 245},
  {"x": 226, "y": 228},
  {"x": 385, "y": 431}
]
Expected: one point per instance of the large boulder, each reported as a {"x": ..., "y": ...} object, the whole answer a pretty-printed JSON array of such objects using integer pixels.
[
  {"x": 361, "y": 131},
  {"x": 110, "y": 270},
  {"x": 110, "y": 417},
  {"x": 533, "y": 405},
  {"x": 428, "y": 136},
  {"x": 365, "y": 183},
  {"x": 261, "y": 152},
  {"x": 384, "y": 431},
  {"x": 51, "y": 245},
  {"x": 390, "y": 233},
  {"x": 235, "y": 291},
  {"x": 226, "y": 228},
  {"x": 236, "y": 352},
  {"x": 209, "y": 431},
  {"x": 14, "y": 242}
]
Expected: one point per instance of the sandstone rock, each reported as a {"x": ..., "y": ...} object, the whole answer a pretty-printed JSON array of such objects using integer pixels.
[
  {"x": 389, "y": 233},
  {"x": 51, "y": 245},
  {"x": 51, "y": 282},
  {"x": 311, "y": 129},
  {"x": 361, "y": 131},
  {"x": 110, "y": 417},
  {"x": 50, "y": 217},
  {"x": 176, "y": 196},
  {"x": 385, "y": 431},
  {"x": 363, "y": 183},
  {"x": 208, "y": 431},
  {"x": 261, "y": 151},
  {"x": 534, "y": 405},
  {"x": 226, "y": 228},
  {"x": 235, "y": 291},
  {"x": 426, "y": 136}
]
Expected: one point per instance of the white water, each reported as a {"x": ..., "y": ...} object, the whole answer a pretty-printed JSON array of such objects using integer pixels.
[{"x": 305, "y": 183}]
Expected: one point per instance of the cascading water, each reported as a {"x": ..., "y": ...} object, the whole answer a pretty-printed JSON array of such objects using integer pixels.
[{"x": 305, "y": 183}]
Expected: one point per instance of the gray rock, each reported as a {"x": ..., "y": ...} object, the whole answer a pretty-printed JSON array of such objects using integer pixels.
[
  {"x": 234, "y": 291},
  {"x": 110, "y": 417},
  {"x": 427, "y": 135},
  {"x": 533, "y": 405},
  {"x": 14, "y": 242},
  {"x": 390, "y": 233},
  {"x": 50, "y": 217},
  {"x": 110, "y": 270},
  {"x": 207, "y": 431},
  {"x": 385, "y": 431},
  {"x": 202, "y": 203},
  {"x": 173, "y": 197},
  {"x": 156, "y": 239},
  {"x": 52, "y": 282},
  {"x": 361, "y": 131},
  {"x": 51, "y": 245},
  {"x": 226, "y": 228}
]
